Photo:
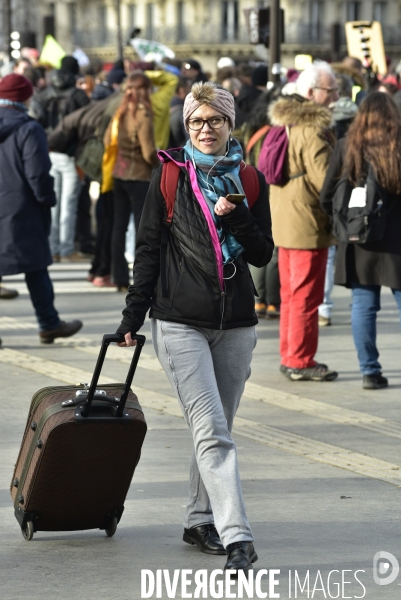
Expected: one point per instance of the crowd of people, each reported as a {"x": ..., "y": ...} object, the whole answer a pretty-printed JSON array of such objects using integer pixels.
[
  {"x": 108, "y": 126},
  {"x": 234, "y": 186}
]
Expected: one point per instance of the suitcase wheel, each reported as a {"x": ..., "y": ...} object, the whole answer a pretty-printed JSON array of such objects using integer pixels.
[
  {"x": 27, "y": 533},
  {"x": 110, "y": 531}
]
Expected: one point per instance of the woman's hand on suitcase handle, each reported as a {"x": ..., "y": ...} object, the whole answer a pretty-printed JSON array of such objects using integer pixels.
[{"x": 128, "y": 341}]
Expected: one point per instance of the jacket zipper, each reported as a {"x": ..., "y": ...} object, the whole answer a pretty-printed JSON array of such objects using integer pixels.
[{"x": 223, "y": 302}]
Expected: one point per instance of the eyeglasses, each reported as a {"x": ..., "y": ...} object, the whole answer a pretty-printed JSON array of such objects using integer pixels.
[
  {"x": 213, "y": 122},
  {"x": 328, "y": 90}
]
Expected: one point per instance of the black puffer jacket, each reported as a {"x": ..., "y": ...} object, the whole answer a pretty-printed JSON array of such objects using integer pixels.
[{"x": 195, "y": 294}]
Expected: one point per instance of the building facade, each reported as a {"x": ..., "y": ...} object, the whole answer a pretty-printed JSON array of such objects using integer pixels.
[{"x": 207, "y": 29}]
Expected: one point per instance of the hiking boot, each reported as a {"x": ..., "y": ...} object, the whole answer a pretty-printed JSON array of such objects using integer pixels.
[
  {"x": 6, "y": 293},
  {"x": 284, "y": 369},
  {"x": 324, "y": 321},
  {"x": 273, "y": 311},
  {"x": 64, "y": 329},
  {"x": 260, "y": 309},
  {"x": 374, "y": 382},
  {"x": 319, "y": 372}
]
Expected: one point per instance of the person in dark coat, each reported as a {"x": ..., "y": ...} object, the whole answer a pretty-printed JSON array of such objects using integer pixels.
[
  {"x": 26, "y": 197},
  {"x": 374, "y": 138}
]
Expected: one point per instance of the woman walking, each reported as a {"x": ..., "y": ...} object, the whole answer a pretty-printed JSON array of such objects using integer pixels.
[
  {"x": 194, "y": 277},
  {"x": 373, "y": 140},
  {"x": 133, "y": 167}
]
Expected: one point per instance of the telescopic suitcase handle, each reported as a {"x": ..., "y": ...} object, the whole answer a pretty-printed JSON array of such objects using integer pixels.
[{"x": 107, "y": 340}]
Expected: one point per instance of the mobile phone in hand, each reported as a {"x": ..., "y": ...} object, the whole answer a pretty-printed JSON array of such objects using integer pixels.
[{"x": 235, "y": 198}]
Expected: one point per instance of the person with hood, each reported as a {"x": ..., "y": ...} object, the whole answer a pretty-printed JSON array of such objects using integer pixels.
[
  {"x": 301, "y": 229},
  {"x": 202, "y": 307},
  {"x": 26, "y": 197}
]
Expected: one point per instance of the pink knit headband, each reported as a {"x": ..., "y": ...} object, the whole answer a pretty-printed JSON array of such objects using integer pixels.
[{"x": 208, "y": 93}]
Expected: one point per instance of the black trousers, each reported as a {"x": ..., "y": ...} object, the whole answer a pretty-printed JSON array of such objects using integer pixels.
[
  {"x": 83, "y": 229},
  {"x": 101, "y": 264},
  {"x": 129, "y": 196}
]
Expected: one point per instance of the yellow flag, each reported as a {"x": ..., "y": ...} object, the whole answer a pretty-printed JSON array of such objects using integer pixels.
[{"x": 52, "y": 52}]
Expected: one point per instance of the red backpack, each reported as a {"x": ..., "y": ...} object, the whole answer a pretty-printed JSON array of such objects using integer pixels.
[{"x": 168, "y": 187}]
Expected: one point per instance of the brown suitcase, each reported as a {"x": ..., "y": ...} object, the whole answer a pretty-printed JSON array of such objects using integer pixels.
[{"x": 78, "y": 454}]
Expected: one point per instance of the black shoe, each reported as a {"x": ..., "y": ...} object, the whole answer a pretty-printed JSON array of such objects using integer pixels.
[
  {"x": 320, "y": 372},
  {"x": 374, "y": 382},
  {"x": 205, "y": 537},
  {"x": 6, "y": 293},
  {"x": 240, "y": 556},
  {"x": 63, "y": 330}
]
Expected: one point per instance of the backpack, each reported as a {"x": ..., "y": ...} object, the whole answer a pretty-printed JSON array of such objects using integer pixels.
[
  {"x": 56, "y": 107},
  {"x": 359, "y": 213},
  {"x": 168, "y": 187},
  {"x": 169, "y": 182},
  {"x": 273, "y": 155}
]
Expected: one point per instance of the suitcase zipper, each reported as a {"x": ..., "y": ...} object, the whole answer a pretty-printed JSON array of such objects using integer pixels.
[{"x": 45, "y": 392}]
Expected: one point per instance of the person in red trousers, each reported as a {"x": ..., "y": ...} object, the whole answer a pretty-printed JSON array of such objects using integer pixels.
[{"x": 300, "y": 228}]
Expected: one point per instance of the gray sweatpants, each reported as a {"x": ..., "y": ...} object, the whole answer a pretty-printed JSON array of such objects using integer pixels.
[{"x": 208, "y": 369}]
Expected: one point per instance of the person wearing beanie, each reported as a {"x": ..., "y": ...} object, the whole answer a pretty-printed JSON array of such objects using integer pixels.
[
  {"x": 115, "y": 78},
  {"x": 191, "y": 270},
  {"x": 259, "y": 77},
  {"x": 26, "y": 197},
  {"x": 70, "y": 64}
]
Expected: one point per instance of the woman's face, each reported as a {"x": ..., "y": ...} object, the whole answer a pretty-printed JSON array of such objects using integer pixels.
[{"x": 207, "y": 139}]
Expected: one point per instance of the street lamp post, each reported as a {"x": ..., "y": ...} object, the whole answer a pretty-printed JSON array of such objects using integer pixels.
[
  {"x": 7, "y": 25},
  {"x": 274, "y": 41},
  {"x": 119, "y": 32}
]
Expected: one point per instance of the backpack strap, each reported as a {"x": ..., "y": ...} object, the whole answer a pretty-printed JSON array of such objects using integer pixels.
[
  {"x": 250, "y": 182},
  {"x": 168, "y": 188},
  {"x": 256, "y": 137}
]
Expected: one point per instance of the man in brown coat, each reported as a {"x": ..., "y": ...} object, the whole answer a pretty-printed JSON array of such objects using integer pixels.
[{"x": 300, "y": 228}]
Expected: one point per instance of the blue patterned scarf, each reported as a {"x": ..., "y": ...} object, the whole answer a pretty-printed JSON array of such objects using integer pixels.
[
  {"x": 219, "y": 176},
  {"x": 19, "y": 105}
]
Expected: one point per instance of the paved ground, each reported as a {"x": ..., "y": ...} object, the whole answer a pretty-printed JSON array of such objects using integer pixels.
[{"x": 320, "y": 463}]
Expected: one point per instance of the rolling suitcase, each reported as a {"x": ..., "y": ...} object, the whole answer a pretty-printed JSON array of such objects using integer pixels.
[{"x": 78, "y": 454}]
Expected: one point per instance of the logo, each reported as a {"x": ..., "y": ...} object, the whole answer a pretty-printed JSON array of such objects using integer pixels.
[{"x": 385, "y": 568}]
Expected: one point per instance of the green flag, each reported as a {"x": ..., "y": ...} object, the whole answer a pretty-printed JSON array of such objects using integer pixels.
[{"x": 52, "y": 52}]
